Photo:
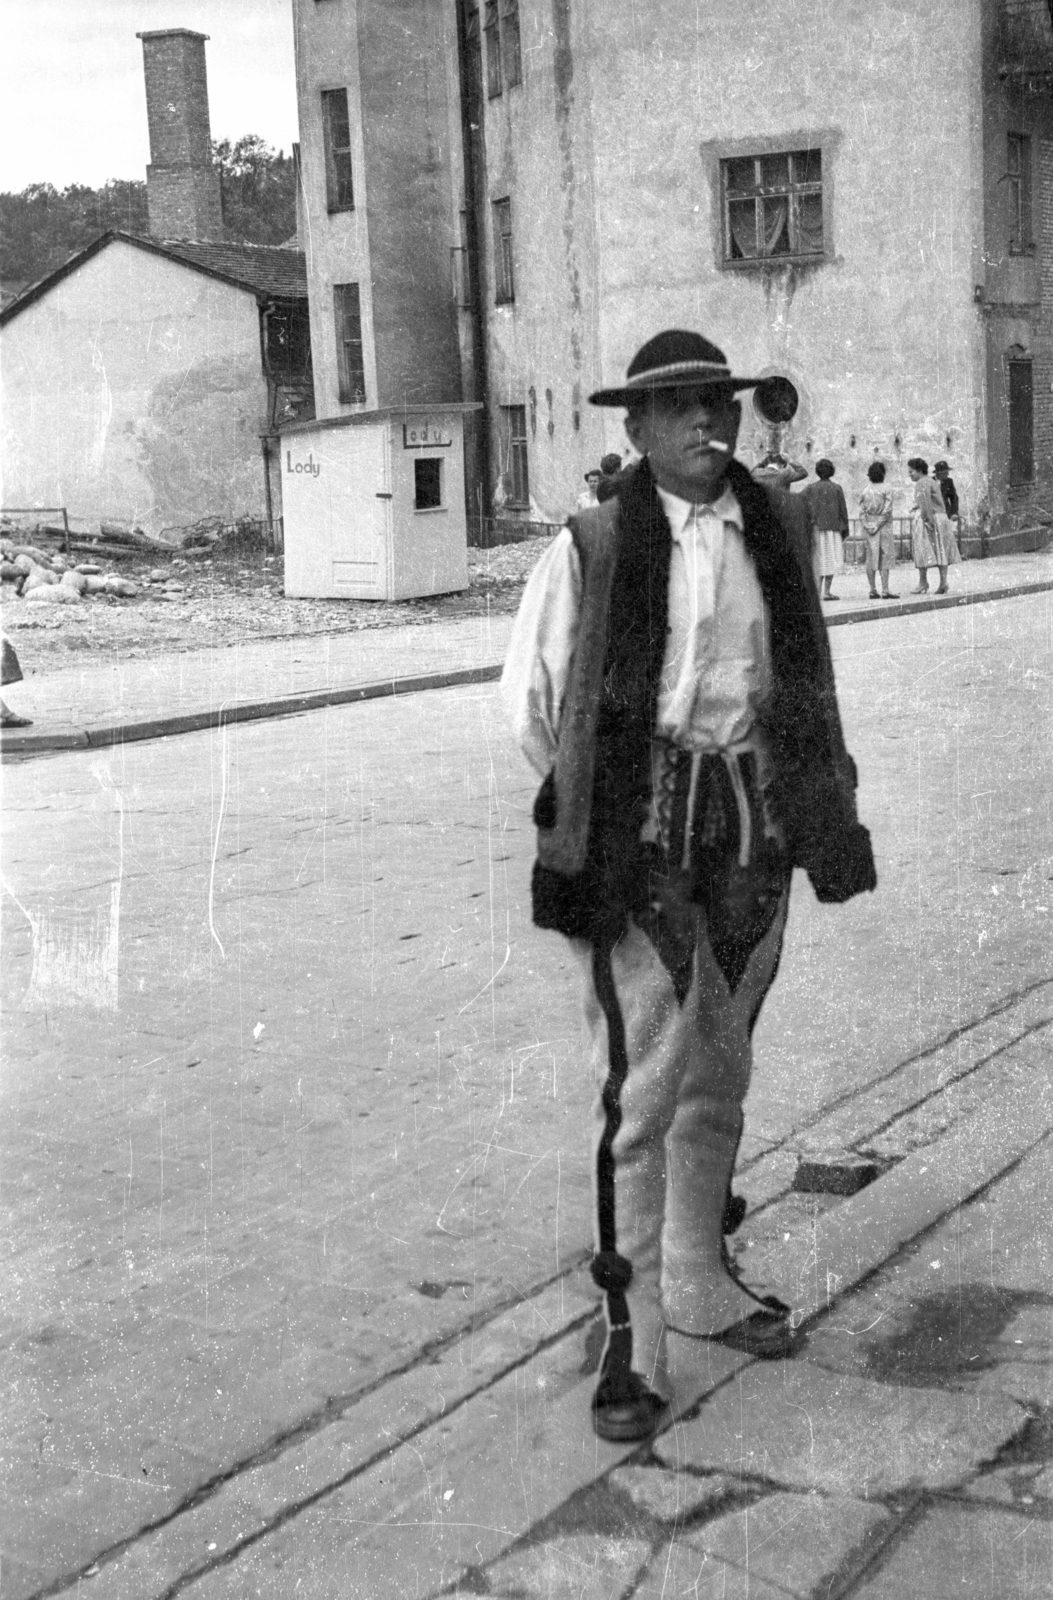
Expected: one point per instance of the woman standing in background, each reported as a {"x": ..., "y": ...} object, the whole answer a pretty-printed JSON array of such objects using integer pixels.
[
  {"x": 826, "y": 502},
  {"x": 942, "y": 473},
  {"x": 934, "y": 542},
  {"x": 875, "y": 515}
]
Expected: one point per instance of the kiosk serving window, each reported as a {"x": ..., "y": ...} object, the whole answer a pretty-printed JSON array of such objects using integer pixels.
[{"x": 427, "y": 484}]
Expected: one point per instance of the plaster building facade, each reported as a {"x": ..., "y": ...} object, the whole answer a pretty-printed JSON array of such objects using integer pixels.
[
  {"x": 503, "y": 198},
  {"x": 145, "y": 380}
]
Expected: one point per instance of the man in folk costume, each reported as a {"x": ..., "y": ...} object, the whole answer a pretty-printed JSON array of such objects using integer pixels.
[{"x": 669, "y": 675}]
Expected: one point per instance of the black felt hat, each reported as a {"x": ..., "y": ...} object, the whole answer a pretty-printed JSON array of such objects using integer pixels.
[{"x": 673, "y": 360}]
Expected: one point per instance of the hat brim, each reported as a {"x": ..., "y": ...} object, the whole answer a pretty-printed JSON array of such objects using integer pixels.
[{"x": 623, "y": 397}]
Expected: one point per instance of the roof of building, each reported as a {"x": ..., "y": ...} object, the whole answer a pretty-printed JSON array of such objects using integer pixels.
[{"x": 270, "y": 272}]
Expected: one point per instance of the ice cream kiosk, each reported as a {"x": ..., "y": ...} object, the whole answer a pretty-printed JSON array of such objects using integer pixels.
[{"x": 373, "y": 504}]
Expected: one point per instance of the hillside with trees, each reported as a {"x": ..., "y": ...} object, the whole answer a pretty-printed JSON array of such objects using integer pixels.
[{"x": 41, "y": 227}]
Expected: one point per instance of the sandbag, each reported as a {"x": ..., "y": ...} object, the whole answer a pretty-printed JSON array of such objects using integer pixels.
[
  {"x": 53, "y": 594},
  {"x": 38, "y": 578}
]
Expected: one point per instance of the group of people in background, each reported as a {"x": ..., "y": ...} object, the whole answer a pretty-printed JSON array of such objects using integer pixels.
[
  {"x": 933, "y": 516},
  {"x": 602, "y": 482},
  {"x": 933, "y": 539}
]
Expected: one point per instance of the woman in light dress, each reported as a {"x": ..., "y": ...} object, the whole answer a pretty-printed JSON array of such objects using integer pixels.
[
  {"x": 12, "y": 673},
  {"x": 934, "y": 544},
  {"x": 587, "y": 498},
  {"x": 826, "y": 503},
  {"x": 875, "y": 516}
]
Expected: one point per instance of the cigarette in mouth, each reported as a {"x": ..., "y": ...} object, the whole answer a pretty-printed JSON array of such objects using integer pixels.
[{"x": 716, "y": 444}]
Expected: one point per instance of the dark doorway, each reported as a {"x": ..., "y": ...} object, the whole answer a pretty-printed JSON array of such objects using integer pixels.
[{"x": 1021, "y": 423}]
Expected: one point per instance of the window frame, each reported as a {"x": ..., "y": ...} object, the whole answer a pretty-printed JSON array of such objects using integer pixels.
[
  {"x": 1021, "y": 206},
  {"x": 795, "y": 189},
  {"x": 336, "y": 197},
  {"x": 351, "y": 374},
  {"x": 492, "y": 32},
  {"x": 440, "y": 503},
  {"x": 504, "y": 263},
  {"x": 511, "y": 43},
  {"x": 518, "y": 456}
]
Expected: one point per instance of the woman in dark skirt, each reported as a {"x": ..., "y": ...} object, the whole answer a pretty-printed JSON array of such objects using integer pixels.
[{"x": 11, "y": 673}]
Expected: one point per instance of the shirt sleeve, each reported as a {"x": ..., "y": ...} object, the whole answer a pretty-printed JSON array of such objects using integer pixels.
[{"x": 544, "y": 635}]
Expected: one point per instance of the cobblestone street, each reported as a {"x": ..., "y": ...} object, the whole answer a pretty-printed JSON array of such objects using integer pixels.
[{"x": 295, "y": 1178}]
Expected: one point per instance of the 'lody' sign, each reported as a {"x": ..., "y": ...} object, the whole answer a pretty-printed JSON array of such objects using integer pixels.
[{"x": 424, "y": 435}]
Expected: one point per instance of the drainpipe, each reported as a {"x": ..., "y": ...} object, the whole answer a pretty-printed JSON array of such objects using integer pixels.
[{"x": 473, "y": 150}]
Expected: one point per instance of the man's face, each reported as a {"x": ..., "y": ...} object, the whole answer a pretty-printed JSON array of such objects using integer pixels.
[{"x": 674, "y": 432}]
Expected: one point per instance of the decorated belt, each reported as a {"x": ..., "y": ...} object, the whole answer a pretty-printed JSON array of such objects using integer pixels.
[
  {"x": 710, "y": 800},
  {"x": 714, "y": 846}
]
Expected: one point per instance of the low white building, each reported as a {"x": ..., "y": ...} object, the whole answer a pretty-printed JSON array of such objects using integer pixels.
[{"x": 145, "y": 381}]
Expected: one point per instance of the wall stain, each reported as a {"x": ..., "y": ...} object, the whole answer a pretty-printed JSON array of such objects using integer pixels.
[
  {"x": 191, "y": 419},
  {"x": 563, "y": 72}
]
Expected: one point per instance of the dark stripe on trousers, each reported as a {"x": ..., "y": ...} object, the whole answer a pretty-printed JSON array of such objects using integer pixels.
[
  {"x": 610, "y": 1099},
  {"x": 755, "y": 1013}
]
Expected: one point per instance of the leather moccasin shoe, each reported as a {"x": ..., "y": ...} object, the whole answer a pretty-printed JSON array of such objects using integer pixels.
[
  {"x": 767, "y": 1334},
  {"x": 627, "y": 1411}
]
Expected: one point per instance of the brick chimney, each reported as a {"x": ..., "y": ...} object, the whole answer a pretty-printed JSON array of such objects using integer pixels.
[{"x": 182, "y": 185}]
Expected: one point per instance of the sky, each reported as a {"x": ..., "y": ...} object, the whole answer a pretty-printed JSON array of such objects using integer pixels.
[{"x": 72, "y": 101}]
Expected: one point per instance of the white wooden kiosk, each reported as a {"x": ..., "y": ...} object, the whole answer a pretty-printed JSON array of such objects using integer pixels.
[{"x": 373, "y": 504}]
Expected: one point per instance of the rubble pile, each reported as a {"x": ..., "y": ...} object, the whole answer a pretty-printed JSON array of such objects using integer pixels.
[{"x": 44, "y": 577}]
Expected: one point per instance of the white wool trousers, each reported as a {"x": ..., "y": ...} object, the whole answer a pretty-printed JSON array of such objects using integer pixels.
[{"x": 673, "y": 1073}]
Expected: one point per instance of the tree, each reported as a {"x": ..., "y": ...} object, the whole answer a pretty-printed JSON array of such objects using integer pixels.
[
  {"x": 42, "y": 227},
  {"x": 258, "y": 189}
]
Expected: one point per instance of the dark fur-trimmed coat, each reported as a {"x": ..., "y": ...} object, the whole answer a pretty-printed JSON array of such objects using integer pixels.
[{"x": 591, "y": 871}]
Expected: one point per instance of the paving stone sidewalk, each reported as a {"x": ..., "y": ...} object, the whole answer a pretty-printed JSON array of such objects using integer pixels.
[
  {"x": 908, "y": 1452},
  {"x": 96, "y": 699}
]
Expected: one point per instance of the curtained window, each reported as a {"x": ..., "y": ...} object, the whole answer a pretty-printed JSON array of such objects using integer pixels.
[{"x": 773, "y": 206}]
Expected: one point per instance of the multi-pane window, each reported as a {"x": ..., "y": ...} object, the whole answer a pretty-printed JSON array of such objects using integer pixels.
[
  {"x": 492, "y": 29},
  {"x": 1021, "y": 422},
  {"x": 511, "y": 49},
  {"x": 773, "y": 205},
  {"x": 516, "y": 446},
  {"x": 336, "y": 128},
  {"x": 504, "y": 282},
  {"x": 350, "y": 365},
  {"x": 1018, "y": 181}
]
